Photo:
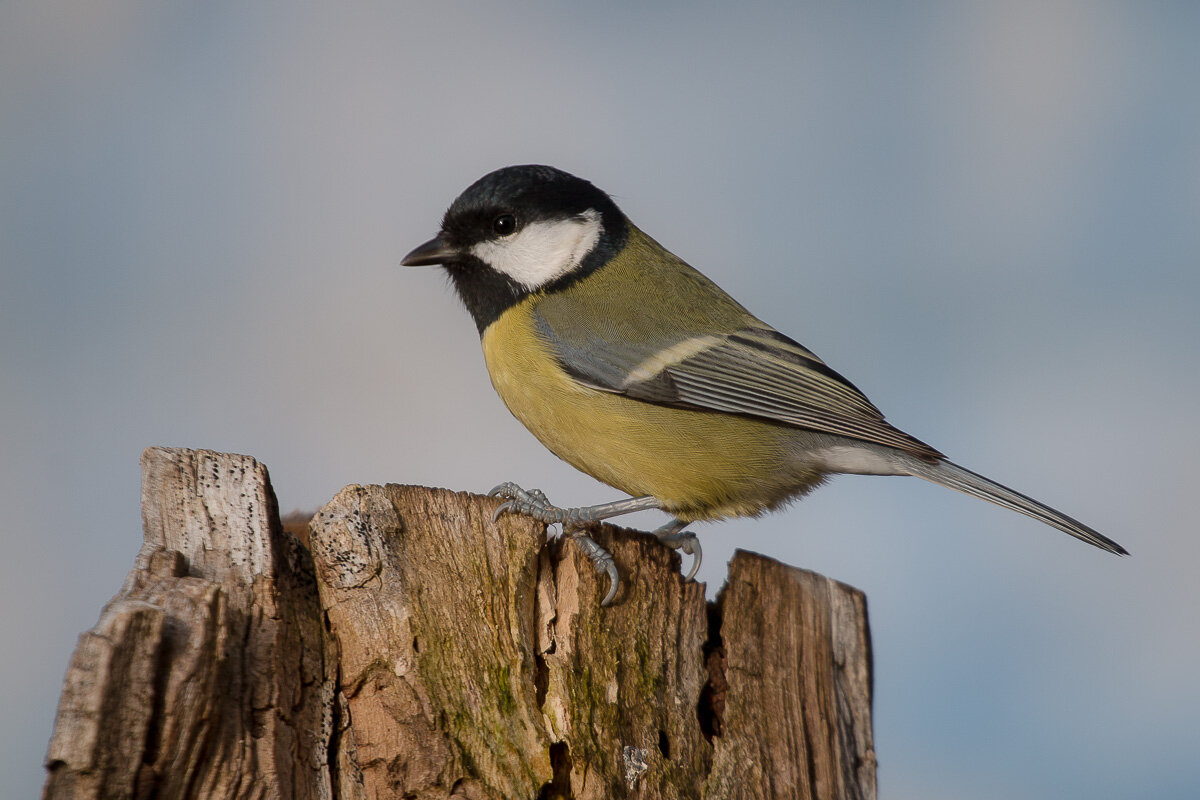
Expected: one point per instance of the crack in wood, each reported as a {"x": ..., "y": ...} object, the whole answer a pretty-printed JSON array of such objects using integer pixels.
[{"x": 398, "y": 643}]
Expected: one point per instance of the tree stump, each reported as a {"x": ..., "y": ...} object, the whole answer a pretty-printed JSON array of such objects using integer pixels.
[{"x": 402, "y": 645}]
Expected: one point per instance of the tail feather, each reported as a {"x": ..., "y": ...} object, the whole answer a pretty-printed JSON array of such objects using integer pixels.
[{"x": 951, "y": 475}]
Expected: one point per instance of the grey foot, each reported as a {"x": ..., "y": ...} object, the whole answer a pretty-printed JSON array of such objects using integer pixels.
[
  {"x": 675, "y": 537},
  {"x": 534, "y": 503}
]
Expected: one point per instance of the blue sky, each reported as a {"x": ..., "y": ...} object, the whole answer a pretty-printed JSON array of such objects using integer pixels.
[{"x": 987, "y": 216}]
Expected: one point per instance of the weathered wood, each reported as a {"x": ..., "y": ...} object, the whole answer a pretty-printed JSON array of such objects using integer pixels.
[
  {"x": 205, "y": 676},
  {"x": 484, "y": 651},
  {"x": 798, "y": 642},
  {"x": 427, "y": 652}
]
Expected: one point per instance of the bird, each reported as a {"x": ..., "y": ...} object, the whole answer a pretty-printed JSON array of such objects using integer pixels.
[{"x": 636, "y": 369}]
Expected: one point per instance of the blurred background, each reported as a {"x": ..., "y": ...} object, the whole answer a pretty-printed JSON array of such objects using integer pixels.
[{"x": 987, "y": 216}]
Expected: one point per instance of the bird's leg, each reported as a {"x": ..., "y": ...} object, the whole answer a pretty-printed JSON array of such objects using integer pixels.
[
  {"x": 534, "y": 503},
  {"x": 675, "y": 537}
]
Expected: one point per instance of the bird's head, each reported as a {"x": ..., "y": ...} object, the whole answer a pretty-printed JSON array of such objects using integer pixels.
[{"x": 521, "y": 230}]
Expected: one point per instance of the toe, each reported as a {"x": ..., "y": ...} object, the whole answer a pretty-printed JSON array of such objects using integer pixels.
[{"x": 500, "y": 509}]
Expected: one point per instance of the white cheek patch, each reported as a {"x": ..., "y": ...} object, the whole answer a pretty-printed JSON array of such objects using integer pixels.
[{"x": 542, "y": 251}]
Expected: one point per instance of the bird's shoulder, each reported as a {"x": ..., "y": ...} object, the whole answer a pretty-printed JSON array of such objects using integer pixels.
[{"x": 652, "y": 328}]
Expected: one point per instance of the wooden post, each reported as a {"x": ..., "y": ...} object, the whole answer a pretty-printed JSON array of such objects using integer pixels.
[{"x": 402, "y": 645}]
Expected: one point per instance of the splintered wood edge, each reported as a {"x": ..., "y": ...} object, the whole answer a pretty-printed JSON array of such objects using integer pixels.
[
  {"x": 214, "y": 516},
  {"x": 794, "y": 638},
  {"x": 217, "y": 509}
]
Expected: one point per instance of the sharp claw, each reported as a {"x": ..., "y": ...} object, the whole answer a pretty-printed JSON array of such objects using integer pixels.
[
  {"x": 698, "y": 557},
  {"x": 500, "y": 509},
  {"x": 674, "y": 537},
  {"x": 614, "y": 581},
  {"x": 601, "y": 559},
  {"x": 605, "y": 563}
]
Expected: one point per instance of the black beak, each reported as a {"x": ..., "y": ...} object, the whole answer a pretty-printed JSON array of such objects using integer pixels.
[{"x": 435, "y": 251}]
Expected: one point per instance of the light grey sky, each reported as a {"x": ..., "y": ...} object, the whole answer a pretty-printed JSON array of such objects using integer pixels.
[{"x": 987, "y": 216}]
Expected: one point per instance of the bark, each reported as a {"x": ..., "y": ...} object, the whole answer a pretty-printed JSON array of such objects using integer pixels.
[{"x": 401, "y": 644}]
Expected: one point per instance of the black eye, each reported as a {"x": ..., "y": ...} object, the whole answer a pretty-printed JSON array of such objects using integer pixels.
[{"x": 504, "y": 224}]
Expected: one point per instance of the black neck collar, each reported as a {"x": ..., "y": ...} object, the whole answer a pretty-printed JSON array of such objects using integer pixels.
[{"x": 487, "y": 294}]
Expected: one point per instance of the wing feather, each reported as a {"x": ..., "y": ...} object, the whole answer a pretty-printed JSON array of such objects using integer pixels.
[{"x": 755, "y": 371}]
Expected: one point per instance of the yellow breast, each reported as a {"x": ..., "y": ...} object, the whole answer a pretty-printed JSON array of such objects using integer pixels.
[{"x": 700, "y": 465}]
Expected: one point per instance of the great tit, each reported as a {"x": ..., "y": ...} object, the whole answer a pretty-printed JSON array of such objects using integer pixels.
[{"x": 635, "y": 368}]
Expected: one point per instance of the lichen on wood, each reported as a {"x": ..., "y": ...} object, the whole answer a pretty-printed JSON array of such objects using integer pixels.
[{"x": 401, "y": 643}]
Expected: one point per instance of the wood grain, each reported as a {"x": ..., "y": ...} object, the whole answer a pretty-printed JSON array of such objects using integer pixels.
[{"x": 404, "y": 645}]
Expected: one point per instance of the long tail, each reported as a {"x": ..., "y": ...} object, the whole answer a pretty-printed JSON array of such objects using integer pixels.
[{"x": 951, "y": 475}]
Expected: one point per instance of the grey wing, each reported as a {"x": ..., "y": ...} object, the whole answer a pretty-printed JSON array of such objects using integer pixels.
[{"x": 756, "y": 371}]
